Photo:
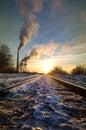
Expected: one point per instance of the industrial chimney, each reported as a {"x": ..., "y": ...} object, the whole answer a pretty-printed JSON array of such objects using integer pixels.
[{"x": 17, "y": 67}]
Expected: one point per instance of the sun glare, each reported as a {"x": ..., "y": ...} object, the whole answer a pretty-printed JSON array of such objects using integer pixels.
[{"x": 46, "y": 68}]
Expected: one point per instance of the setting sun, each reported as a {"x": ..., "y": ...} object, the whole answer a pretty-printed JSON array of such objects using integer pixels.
[{"x": 46, "y": 68}]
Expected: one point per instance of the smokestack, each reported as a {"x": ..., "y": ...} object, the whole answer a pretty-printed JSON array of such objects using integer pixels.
[
  {"x": 17, "y": 68},
  {"x": 28, "y": 9}
]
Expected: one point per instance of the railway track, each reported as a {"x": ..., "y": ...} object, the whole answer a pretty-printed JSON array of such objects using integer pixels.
[
  {"x": 46, "y": 104},
  {"x": 6, "y": 89},
  {"x": 73, "y": 87}
]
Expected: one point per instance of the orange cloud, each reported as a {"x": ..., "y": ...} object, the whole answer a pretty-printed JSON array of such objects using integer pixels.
[
  {"x": 47, "y": 50},
  {"x": 66, "y": 48}
]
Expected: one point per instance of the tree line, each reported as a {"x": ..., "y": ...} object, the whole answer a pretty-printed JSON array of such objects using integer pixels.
[
  {"x": 80, "y": 69},
  {"x": 6, "y": 59}
]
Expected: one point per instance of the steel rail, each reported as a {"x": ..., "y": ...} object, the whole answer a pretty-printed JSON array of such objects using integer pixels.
[
  {"x": 17, "y": 84},
  {"x": 73, "y": 87}
]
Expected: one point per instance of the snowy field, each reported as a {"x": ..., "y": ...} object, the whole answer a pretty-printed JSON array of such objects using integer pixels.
[
  {"x": 9, "y": 79},
  {"x": 76, "y": 79},
  {"x": 42, "y": 104}
]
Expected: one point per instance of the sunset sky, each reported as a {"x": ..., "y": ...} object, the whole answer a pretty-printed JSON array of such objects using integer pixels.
[{"x": 56, "y": 28}]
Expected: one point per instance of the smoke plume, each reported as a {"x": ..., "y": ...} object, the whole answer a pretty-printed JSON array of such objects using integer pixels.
[
  {"x": 32, "y": 54},
  {"x": 28, "y": 8},
  {"x": 42, "y": 50}
]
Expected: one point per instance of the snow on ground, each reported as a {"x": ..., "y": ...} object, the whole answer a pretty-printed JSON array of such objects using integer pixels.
[
  {"x": 42, "y": 104},
  {"x": 76, "y": 79},
  {"x": 9, "y": 79}
]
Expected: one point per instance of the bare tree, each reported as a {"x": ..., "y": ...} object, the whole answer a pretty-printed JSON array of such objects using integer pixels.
[
  {"x": 6, "y": 62},
  {"x": 80, "y": 69},
  {"x": 57, "y": 70}
]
